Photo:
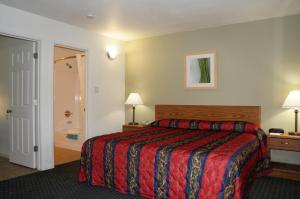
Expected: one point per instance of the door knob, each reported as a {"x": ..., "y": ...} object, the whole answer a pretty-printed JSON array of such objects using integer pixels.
[{"x": 8, "y": 111}]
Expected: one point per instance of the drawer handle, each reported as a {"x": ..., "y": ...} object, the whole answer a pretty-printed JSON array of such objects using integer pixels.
[{"x": 284, "y": 142}]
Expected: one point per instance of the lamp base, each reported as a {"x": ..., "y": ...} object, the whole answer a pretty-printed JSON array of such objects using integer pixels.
[
  {"x": 294, "y": 133},
  {"x": 133, "y": 123}
]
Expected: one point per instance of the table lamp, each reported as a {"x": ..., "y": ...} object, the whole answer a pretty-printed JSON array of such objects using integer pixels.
[
  {"x": 293, "y": 101},
  {"x": 134, "y": 99}
]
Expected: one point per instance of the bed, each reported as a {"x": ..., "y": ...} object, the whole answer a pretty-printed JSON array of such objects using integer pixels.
[{"x": 189, "y": 151}]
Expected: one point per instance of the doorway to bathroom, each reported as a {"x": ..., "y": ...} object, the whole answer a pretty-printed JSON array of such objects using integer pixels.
[{"x": 69, "y": 99}]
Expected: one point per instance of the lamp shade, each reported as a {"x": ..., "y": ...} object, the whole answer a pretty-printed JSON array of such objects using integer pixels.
[
  {"x": 292, "y": 100},
  {"x": 134, "y": 99}
]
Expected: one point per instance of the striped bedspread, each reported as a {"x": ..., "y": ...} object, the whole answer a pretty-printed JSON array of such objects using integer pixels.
[{"x": 175, "y": 163}]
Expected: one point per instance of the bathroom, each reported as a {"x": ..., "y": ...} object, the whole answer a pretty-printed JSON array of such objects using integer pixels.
[{"x": 68, "y": 103}]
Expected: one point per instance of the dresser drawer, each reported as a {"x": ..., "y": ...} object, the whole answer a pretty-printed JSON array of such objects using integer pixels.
[{"x": 284, "y": 143}]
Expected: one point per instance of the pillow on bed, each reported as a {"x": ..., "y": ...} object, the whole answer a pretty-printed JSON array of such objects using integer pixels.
[{"x": 237, "y": 126}]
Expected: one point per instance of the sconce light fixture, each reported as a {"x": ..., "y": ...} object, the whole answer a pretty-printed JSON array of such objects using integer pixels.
[{"x": 111, "y": 53}]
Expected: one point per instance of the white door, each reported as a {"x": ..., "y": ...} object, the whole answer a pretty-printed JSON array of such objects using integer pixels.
[{"x": 21, "y": 111}]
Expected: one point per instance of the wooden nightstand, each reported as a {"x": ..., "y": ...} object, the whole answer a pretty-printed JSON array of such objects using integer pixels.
[
  {"x": 127, "y": 127},
  {"x": 287, "y": 143}
]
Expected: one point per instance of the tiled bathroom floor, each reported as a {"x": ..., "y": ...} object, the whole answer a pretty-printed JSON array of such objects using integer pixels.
[
  {"x": 63, "y": 155},
  {"x": 9, "y": 170}
]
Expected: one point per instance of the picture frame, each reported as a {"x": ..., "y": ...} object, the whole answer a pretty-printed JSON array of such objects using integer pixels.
[{"x": 201, "y": 70}]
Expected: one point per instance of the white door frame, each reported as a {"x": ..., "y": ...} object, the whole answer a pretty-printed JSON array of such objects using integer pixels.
[
  {"x": 36, "y": 90},
  {"x": 86, "y": 71}
]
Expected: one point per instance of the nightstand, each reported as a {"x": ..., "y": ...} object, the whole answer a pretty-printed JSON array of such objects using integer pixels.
[
  {"x": 284, "y": 142},
  {"x": 127, "y": 127}
]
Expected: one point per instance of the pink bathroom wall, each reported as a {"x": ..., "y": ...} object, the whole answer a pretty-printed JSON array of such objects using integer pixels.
[{"x": 66, "y": 95}]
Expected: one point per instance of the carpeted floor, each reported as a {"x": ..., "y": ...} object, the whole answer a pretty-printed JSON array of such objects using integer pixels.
[{"x": 61, "y": 183}]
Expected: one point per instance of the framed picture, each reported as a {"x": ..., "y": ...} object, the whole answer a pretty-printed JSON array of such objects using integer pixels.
[{"x": 201, "y": 70}]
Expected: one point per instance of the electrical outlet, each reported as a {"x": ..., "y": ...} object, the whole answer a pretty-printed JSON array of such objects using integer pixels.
[{"x": 96, "y": 89}]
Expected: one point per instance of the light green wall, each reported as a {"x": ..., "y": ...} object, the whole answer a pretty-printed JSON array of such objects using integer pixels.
[{"x": 259, "y": 63}]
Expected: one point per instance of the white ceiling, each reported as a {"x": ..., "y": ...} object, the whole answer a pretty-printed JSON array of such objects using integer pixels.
[{"x": 133, "y": 19}]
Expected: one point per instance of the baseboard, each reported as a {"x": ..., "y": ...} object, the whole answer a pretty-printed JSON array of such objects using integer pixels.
[
  {"x": 287, "y": 171},
  {"x": 4, "y": 155}
]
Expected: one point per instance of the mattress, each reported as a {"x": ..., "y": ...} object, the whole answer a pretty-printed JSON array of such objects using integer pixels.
[{"x": 217, "y": 160}]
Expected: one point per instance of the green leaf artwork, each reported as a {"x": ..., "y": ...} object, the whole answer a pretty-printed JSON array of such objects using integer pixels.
[{"x": 204, "y": 66}]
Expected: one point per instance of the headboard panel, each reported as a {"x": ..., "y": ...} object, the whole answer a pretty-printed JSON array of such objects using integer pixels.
[{"x": 209, "y": 112}]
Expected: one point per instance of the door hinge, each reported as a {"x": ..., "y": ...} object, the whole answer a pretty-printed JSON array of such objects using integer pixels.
[
  {"x": 35, "y": 102},
  {"x": 35, "y": 148},
  {"x": 35, "y": 55}
]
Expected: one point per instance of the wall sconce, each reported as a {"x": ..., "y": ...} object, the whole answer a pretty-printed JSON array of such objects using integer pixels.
[{"x": 111, "y": 53}]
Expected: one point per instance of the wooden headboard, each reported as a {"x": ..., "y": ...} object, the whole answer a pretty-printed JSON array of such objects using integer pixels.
[{"x": 209, "y": 112}]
